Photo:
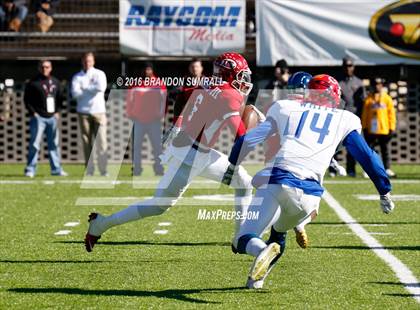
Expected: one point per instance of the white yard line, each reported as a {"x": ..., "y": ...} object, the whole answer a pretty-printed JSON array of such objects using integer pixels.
[
  {"x": 410, "y": 197},
  {"x": 160, "y": 232},
  {"x": 380, "y": 233},
  {"x": 370, "y": 232},
  {"x": 340, "y": 225},
  {"x": 99, "y": 182},
  {"x": 396, "y": 181},
  {"x": 406, "y": 277},
  {"x": 218, "y": 197},
  {"x": 108, "y": 201},
  {"x": 62, "y": 232},
  {"x": 208, "y": 200},
  {"x": 165, "y": 224},
  {"x": 71, "y": 224}
]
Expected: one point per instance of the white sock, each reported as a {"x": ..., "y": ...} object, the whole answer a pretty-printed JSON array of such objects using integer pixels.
[
  {"x": 124, "y": 216},
  {"x": 302, "y": 224},
  {"x": 255, "y": 246},
  {"x": 243, "y": 198},
  {"x": 150, "y": 207}
]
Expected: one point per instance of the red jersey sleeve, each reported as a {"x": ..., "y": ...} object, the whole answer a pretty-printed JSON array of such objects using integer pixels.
[
  {"x": 231, "y": 112},
  {"x": 236, "y": 125}
]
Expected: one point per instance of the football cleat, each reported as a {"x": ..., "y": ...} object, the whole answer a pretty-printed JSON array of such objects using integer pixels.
[
  {"x": 258, "y": 284},
  {"x": 302, "y": 238},
  {"x": 263, "y": 261},
  {"x": 90, "y": 240}
]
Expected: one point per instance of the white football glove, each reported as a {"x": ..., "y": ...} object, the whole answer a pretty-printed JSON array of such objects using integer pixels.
[
  {"x": 170, "y": 135},
  {"x": 340, "y": 169},
  {"x": 227, "y": 177},
  {"x": 387, "y": 205}
]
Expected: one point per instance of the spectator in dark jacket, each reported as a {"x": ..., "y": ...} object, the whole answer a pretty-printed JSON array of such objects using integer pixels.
[
  {"x": 353, "y": 94},
  {"x": 44, "y": 11},
  {"x": 12, "y": 14},
  {"x": 43, "y": 99},
  {"x": 279, "y": 82}
]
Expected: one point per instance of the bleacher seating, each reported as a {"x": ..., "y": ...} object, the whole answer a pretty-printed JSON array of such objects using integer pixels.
[{"x": 79, "y": 25}]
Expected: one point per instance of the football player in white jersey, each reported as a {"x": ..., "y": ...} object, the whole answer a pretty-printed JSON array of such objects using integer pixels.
[{"x": 289, "y": 190}]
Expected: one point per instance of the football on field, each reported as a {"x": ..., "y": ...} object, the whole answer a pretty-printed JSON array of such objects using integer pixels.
[{"x": 251, "y": 117}]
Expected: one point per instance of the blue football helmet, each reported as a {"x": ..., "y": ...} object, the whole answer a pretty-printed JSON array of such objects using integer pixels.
[{"x": 299, "y": 80}]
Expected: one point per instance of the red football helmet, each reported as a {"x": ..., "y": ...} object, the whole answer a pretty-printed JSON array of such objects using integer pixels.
[
  {"x": 327, "y": 90},
  {"x": 233, "y": 68}
]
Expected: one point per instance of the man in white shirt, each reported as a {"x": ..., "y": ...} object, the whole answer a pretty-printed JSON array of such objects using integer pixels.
[{"x": 88, "y": 88}]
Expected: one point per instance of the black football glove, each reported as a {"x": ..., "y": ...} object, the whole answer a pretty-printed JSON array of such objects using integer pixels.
[{"x": 227, "y": 177}]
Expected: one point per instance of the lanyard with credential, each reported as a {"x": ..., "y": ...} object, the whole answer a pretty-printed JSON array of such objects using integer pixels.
[{"x": 49, "y": 89}]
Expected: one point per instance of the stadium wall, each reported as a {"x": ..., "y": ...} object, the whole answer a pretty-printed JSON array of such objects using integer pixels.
[{"x": 14, "y": 131}]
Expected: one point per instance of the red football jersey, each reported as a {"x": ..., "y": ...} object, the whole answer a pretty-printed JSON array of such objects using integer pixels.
[{"x": 211, "y": 109}]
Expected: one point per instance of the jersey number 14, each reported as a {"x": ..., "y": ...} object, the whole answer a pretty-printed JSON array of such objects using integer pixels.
[{"x": 323, "y": 131}]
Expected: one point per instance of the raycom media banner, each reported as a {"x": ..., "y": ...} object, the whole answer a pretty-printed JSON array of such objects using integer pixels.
[
  {"x": 322, "y": 32},
  {"x": 181, "y": 27}
]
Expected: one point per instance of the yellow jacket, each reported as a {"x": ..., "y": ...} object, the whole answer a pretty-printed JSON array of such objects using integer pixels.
[{"x": 378, "y": 115}]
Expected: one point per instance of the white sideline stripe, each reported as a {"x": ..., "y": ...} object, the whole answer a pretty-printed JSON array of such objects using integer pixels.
[
  {"x": 396, "y": 181},
  {"x": 218, "y": 197},
  {"x": 380, "y": 233},
  {"x": 372, "y": 233},
  {"x": 341, "y": 225},
  {"x": 402, "y": 272},
  {"x": 71, "y": 224},
  {"x": 62, "y": 232},
  {"x": 208, "y": 200},
  {"x": 165, "y": 224},
  {"x": 108, "y": 201},
  {"x": 151, "y": 182},
  {"x": 16, "y": 182},
  {"x": 160, "y": 232},
  {"x": 95, "y": 181},
  {"x": 394, "y": 197}
]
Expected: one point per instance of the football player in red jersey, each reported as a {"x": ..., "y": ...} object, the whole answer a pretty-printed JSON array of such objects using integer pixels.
[{"x": 190, "y": 154}]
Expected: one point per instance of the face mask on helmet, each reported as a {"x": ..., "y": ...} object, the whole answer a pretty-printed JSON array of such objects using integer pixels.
[
  {"x": 233, "y": 69},
  {"x": 242, "y": 83}
]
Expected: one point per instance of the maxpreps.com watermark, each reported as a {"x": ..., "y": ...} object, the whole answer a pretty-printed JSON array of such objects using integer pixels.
[
  {"x": 219, "y": 214},
  {"x": 169, "y": 81}
]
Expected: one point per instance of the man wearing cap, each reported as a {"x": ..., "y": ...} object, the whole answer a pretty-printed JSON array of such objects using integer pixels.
[
  {"x": 279, "y": 82},
  {"x": 379, "y": 121},
  {"x": 353, "y": 94}
]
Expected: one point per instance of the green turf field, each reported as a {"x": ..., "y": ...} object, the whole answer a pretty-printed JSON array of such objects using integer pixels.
[{"x": 191, "y": 266}]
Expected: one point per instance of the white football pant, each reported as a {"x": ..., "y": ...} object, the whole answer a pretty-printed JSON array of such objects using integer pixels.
[
  {"x": 176, "y": 180},
  {"x": 279, "y": 205}
]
